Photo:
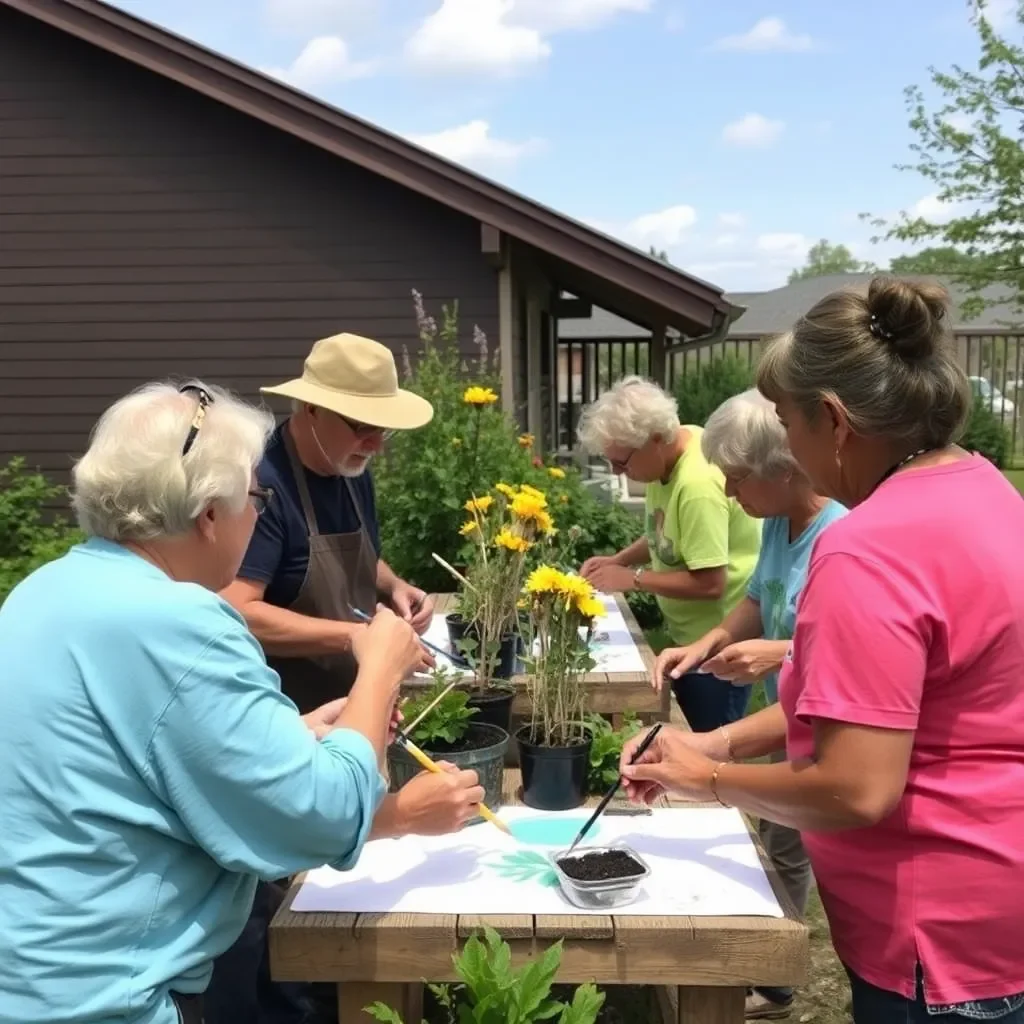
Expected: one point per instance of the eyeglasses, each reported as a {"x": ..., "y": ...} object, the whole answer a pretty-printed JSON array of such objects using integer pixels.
[
  {"x": 364, "y": 431},
  {"x": 261, "y": 498},
  {"x": 205, "y": 401},
  {"x": 620, "y": 467}
]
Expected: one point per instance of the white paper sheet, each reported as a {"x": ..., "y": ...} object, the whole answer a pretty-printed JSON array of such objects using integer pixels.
[
  {"x": 612, "y": 647},
  {"x": 702, "y": 862}
]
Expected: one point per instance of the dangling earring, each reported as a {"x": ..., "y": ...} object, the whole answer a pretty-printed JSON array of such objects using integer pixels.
[{"x": 839, "y": 461}]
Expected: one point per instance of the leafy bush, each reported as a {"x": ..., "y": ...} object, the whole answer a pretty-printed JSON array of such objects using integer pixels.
[
  {"x": 27, "y": 539},
  {"x": 701, "y": 390},
  {"x": 606, "y": 750},
  {"x": 493, "y": 993},
  {"x": 425, "y": 477},
  {"x": 447, "y": 721},
  {"x": 986, "y": 434}
]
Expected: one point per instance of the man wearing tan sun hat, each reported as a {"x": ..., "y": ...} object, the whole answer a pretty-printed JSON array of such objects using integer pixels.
[{"x": 315, "y": 553}]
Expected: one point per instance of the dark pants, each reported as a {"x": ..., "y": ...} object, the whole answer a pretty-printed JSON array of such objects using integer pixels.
[
  {"x": 877, "y": 1006},
  {"x": 241, "y": 990},
  {"x": 708, "y": 702}
]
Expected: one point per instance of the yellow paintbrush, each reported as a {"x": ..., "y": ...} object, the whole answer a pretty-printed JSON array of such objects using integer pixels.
[{"x": 417, "y": 755}]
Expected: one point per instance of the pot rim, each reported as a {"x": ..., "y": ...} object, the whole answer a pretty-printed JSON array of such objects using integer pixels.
[
  {"x": 497, "y": 742},
  {"x": 517, "y": 736}
]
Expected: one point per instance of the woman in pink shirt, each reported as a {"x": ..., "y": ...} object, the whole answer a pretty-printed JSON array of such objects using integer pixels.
[{"x": 901, "y": 703}]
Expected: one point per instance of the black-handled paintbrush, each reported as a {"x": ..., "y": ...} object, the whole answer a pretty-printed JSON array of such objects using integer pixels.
[
  {"x": 454, "y": 658},
  {"x": 606, "y": 799}
]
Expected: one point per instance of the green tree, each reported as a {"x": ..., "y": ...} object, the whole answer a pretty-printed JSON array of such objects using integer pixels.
[
  {"x": 658, "y": 254},
  {"x": 825, "y": 258},
  {"x": 939, "y": 260},
  {"x": 969, "y": 146}
]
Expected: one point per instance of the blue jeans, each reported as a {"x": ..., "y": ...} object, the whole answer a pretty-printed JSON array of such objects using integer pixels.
[
  {"x": 873, "y": 1005},
  {"x": 708, "y": 702}
]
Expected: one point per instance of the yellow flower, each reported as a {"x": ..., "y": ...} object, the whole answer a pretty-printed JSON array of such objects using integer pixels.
[
  {"x": 526, "y": 440},
  {"x": 509, "y": 492},
  {"x": 544, "y": 522},
  {"x": 564, "y": 499},
  {"x": 575, "y": 587},
  {"x": 466, "y": 529},
  {"x": 544, "y": 580},
  {"x": 479, "y": 396},
  {"x": 510, "y": 542},
  {"x": 481, "y": 504},
  {"x": 529, "y": 507},
  {"x": 456, "y": 442},
  {"x": 590, "y": 608},
  {"x": 533, "y": 492},
  {"x": 556, "y": 473}
]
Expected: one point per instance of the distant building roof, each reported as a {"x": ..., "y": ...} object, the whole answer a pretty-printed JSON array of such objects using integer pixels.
[{"x": 602, "y": 324}]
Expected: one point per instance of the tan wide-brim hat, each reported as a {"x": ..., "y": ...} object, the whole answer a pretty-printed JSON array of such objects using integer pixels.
[{"x": 356, "y": 378}]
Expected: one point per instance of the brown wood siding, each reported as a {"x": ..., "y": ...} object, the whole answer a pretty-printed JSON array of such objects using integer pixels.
[{"x": 147, "y": 232}]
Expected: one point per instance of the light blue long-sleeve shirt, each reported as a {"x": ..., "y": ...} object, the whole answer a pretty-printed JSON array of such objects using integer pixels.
[{"x": 150, "y": 771}]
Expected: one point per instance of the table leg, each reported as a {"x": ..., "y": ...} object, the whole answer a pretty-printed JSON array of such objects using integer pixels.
[
  {"x": 711, "y": 1005},
  {"x": 354, "y": 996}
]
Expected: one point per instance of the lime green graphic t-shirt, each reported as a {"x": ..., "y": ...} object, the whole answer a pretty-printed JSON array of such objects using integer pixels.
[{"x": 691, "y": 524}]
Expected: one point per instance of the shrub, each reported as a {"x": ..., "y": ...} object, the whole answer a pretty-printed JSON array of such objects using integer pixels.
[
  {"x": 27, "y": 539},
  {"x": 986, "y": 434},
  {"x": 702, "y": 389}
]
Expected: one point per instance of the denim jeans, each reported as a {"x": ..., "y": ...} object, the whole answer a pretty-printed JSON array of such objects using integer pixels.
[
  {"x": 708, "y": 702},
  {"x": 873, "y": 1005}
]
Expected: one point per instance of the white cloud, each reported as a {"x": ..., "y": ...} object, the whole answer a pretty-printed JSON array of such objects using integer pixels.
[
  {"x": 473, "y": 144},
  {"x": 675, "y": 21},
  {"x": 562, "y": 15},
  {"x": 726, "y": 241},
  {"x": 732, "y": 220},
  {"x": 784, "y": 244},
  {"x": 663, "y": 229},
  {"x": 1000, "y": 14},
  {"x": 317, "y": 17},
  {"x": 323, "y": 61},
  {"x": 933, "y": 209},
  {"x": 752, "y": 130},
  {"x": 768, "y": 35},
  {"x": 466, "y": 36}
]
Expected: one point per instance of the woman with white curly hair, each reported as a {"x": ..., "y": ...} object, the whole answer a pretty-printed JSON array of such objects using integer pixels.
[{"x": 151, "y": 770}]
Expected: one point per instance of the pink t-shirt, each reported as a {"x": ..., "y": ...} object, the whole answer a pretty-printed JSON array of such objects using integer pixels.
[{"x": 912, "y": 618}]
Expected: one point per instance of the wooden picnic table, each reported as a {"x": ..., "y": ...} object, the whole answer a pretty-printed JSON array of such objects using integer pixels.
[
  {"x": 700, "y": 966},
  {"x": 608, "y": 693}
]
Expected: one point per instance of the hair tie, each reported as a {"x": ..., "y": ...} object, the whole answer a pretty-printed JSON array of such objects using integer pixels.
[{"x": 876, "y": 328}]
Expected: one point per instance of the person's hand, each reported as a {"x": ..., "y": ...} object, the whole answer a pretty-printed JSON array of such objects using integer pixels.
[
  {"x": 612, "y": 578},
  {"x": 324, "y": 719},
  {"x": 676, "y": 762},
  {"x": 434, "y": 804},
  {"x": 674, "y": 662},
  {"x": 413, "y": 605},
  {"x": 745, "y": 662},
  {"x": 388, "y": 650},
  {"x": 594, "y": 563}
]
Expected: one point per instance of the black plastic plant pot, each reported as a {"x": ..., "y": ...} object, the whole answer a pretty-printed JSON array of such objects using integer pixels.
[
  {"x": 554, "y": 778},
  {"x": 458, "y": 627},
  {"x": 482, "y": 749},
  {"x": 493, "y": 705}
]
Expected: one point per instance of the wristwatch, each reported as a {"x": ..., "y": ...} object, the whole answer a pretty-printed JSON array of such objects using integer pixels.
[{"x": 637, "y": 573}]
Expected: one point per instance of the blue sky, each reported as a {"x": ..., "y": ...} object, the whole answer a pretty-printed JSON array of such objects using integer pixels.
[{"x": 731, "y": 134}]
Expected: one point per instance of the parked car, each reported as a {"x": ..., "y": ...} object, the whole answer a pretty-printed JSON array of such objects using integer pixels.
[{"x": 991, "y": 396}]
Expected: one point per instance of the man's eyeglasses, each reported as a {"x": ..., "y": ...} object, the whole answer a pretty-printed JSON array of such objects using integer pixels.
[
  {"x": 364, "y": 431},
  {"x": 261, "y": 498},
  {"x": 205, "y": 401},
  {"x": 617, "y": 467}
]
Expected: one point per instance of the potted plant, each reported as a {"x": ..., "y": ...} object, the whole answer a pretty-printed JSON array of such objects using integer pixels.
[
  {"x": 554, "y": 749},
  {"x": 492, "y": 992},
  {"x": 450, "y": 732},
  {"x": 502, "y": 529},
  {"x": 606, "y": 749}
]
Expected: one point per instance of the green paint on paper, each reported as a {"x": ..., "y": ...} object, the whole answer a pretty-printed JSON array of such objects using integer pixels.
[
  {"x": 526, "y": 866},
  {"x": 545, "y": 831}
]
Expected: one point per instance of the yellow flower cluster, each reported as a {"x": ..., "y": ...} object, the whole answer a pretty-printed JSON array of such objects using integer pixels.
[
  {"x": 576, "y": 591},
  {"x": 479, "y": 396},
  {"x": 512, "y": 542},
  {"x": 526, "y": 440},
  {"x": 479, "y": 504},
  {"x": 530, "y": 506},
  {"x": 556, "y": 473}
]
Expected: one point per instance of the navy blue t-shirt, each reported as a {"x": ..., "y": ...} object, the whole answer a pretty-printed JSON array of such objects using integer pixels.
[{"x": 278, "y": 553}]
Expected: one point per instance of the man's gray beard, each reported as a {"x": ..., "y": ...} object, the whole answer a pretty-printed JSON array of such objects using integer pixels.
[{"x": 352, "y": 474}]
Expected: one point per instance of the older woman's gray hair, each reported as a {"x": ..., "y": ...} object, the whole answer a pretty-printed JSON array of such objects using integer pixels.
[
  {"x": 629, "y": 414},
  {"x": 134, "y": 484},
  {"x": 744, "y": 435}
]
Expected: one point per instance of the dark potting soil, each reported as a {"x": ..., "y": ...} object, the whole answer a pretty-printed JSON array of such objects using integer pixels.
[
  {"x": 474, "y": 738},
  {"x": 601, "y": 867}
]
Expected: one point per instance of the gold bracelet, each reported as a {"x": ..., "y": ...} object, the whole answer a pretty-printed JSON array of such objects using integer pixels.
[
  {"x": 714, "y": 783},
  {"x": 728, "y": 742}
]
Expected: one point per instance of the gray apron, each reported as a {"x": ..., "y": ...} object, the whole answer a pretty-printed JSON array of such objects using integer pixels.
[{"x": 341, "y": 572}]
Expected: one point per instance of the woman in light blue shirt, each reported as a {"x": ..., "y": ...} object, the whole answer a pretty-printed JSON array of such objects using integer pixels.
[
  {"x": 744, "y": 438},
  {"x": 151, "y": 771}
]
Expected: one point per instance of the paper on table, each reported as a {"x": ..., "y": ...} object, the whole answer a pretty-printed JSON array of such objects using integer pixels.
[
  {"x": 612, "y": 648},
  {"x": 702, "y": 863}
]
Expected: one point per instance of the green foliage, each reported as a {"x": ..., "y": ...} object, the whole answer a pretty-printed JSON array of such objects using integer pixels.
[
  {"x": 701, "y": 390},
  {"x": 606, "y": 749},
  {"x": 27, "y": 541},
  {"x": 493, "y": 993},
  {"x": 448, "y": 721},
  {"x": 936, "y": 260},
  {"x": 426, "y": 475},
  {"x": 986, "y": 434},
  {"x": 645, "y": 609},
  {"x": 969, "y": 147},
  {"x": 825, "y": 258}
]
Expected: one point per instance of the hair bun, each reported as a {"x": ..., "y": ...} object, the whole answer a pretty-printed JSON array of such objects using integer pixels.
[{"x": 908, "y": 316}]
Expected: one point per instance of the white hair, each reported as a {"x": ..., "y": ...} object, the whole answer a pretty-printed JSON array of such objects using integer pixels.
[
  {"x": 133, "y": 484},
  {"x": 630, "y": 414},
  {"x": 744, "y": 435}
]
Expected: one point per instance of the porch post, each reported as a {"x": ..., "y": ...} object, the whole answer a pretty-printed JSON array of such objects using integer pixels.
[{"x": 658, "y": 366}]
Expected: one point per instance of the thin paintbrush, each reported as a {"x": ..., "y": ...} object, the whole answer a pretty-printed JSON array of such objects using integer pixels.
[
  {"x": 454, "y": 658},
  {"x": 606, "y": 799},
  {"x": 430, "y": 707}
]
